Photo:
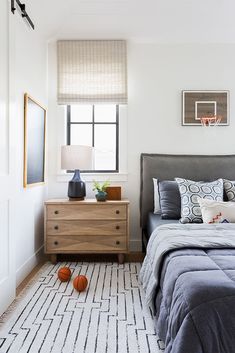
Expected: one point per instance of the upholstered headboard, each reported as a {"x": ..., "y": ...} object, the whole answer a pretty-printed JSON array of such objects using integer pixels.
[{"x": 167, "y": 167}]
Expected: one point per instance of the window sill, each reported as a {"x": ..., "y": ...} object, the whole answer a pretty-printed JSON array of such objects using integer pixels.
[{"x": 89, "y": 177}]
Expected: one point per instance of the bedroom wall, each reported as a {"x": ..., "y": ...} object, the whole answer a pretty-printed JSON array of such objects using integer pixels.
[
  {"x": 156, "y": 73},
  {"x": 28, "y": 73}
]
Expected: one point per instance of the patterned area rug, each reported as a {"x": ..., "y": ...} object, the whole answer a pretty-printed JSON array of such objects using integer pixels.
[{"x": 109, "y": 317}]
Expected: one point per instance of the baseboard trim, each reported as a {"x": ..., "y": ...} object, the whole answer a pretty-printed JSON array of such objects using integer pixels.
[
  {"x": 135, "y": 245},
  {"x": 28, "y": 279},
  {"x": 135, "y": 256},
  {"x": 29, "y": 265}
]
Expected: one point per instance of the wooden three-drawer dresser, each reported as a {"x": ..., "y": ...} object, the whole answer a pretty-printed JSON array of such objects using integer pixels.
[{"x": 86, "y": 227}]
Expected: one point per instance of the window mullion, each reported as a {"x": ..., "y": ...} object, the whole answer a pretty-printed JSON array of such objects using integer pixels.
[
  {"x": 117, "y": 137},
  {"x": 93, "y": 123},
  {"x": 93, "y": 126},
  {"x": 68, "y": 125}
]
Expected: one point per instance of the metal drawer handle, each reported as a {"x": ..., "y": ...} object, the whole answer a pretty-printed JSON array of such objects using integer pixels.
[
  {"x": 55, "y": 242},
  {"x": 56, "y": 212},
  {"x": 117, "y": 242},
  {"x": 56, "y": 227},
  {"x": 117, "y": 227},
  {"x": 117, "y": 211}
]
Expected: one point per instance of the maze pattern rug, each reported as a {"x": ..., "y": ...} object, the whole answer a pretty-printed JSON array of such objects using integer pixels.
[{"x": 109, "y": 317}]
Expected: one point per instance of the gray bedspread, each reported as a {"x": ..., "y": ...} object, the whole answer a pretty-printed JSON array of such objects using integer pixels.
[{"x": 193, "y": 288}]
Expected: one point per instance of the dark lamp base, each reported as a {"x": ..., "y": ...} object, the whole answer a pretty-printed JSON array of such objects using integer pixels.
[
  {"x": 76, "y": 198},
  {"x": 77, "y": 188}
]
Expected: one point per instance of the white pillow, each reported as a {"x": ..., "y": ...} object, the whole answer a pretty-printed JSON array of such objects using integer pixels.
[
  {"x": 157, "y": 208},
  {"x": 217, "y": 211}
]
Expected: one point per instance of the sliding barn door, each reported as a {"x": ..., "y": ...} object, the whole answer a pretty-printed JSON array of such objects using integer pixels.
[{"x": 7, "y": 271}]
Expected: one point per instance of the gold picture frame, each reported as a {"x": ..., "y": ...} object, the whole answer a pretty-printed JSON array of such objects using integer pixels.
[{"x": 34, "y": 142}]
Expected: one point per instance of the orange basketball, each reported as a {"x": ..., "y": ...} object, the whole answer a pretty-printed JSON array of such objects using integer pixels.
[
  {"x": 64, "y": 274},
  {"x": 80, "y": 283}
]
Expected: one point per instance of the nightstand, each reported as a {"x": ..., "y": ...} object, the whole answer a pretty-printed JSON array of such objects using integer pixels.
[{"x": 86, "y": 227}]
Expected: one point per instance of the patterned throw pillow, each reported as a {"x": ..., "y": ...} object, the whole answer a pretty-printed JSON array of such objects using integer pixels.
[
  {"x": 229, "y": 189},
  {"x": 217, "y": 211},
  {"x": 190, "y": 191}
]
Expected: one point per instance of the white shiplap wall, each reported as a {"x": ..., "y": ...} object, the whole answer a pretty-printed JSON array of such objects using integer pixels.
[{"x": 23, "y": 68}]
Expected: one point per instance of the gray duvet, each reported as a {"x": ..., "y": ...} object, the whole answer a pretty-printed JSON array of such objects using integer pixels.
[{"x": 189, "y": 278}]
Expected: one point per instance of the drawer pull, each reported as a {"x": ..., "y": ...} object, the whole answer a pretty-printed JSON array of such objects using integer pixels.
[
  {"x": 56, "y": 212},
  {"x": 56, "y": 227},
  {"x": 117, "y": 227},
  {"x": 117, "y": 242},
  {"x": 117, "y": 211},
  {"x": 55, "y": 242}
]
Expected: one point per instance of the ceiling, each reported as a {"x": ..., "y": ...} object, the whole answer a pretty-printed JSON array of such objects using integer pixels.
[{"x": 164, "y": 21}]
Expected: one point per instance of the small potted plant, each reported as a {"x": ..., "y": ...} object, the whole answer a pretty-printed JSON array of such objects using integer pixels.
[{"x": 101, "y": 190}]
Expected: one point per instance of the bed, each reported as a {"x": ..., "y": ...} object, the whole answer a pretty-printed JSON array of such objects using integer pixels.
[{"x": 189, "y": 270}]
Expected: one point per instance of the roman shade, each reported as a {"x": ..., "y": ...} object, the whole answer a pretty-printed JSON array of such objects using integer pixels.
[{"x": 92, "y": 71}]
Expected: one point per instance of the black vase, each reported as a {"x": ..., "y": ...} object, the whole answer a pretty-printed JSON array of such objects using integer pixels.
[{"x": 77, "y": 187}]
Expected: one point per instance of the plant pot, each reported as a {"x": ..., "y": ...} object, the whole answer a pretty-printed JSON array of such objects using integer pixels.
[{"x": 101, "y": 196}]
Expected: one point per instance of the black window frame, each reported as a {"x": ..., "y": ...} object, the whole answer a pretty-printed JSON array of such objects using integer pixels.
[{"x": 93, "y": 123}]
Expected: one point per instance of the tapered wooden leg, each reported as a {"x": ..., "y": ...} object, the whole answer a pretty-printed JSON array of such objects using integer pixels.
[
  {"x": 54, "y": 258},
  {"x": 121, "y": 259}
]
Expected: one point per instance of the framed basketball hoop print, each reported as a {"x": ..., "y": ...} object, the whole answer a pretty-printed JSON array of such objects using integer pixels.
[{"x": 198, "y": 105}]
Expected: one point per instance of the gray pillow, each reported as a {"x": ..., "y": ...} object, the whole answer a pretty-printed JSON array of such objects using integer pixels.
[
  {"x": 170, "y": 201},
  {"x": 190, "y": 191},
  {"x": 229, "y": 190}
]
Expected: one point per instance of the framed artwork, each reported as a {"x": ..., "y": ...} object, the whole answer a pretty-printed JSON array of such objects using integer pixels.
[
  {"x": 198, "y": 104},
  {"x": 34, "y": 142}
]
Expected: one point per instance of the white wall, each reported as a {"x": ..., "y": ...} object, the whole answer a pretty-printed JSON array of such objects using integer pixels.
[
  {"x": 31, "y": 77},
  {"x": 7, "y": 258},
  {"x": 26, "y": 54},
  {"x": 157, "y": 73}
]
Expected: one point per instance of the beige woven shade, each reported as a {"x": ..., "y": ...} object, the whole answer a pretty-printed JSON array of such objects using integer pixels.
[{"x": 92, "y": 71}]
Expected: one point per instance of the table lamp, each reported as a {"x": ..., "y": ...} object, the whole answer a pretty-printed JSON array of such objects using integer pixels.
[{"x": 76, "y": 157}]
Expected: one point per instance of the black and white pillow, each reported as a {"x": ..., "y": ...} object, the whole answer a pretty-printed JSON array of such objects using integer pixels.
[
  {"x": 229, "y": 188},
  {"x": 190, "y": 191}
]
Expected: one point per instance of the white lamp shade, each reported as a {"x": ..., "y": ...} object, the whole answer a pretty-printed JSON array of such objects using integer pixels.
[{"x": 76, "y": 157}]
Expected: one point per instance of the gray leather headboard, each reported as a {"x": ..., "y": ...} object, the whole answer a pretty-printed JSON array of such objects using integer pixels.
[{"x": 167, "y": 167}]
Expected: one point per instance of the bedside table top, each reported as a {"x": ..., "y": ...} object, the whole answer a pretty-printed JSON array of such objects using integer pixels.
[{"x": 86, "y": 202}]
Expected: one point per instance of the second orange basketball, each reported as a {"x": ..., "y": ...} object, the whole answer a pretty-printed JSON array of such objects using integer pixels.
[{"x": 80, "y": 283}]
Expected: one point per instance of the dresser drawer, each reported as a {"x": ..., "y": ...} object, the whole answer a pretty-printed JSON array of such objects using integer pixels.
[
  {"x": 93, "y": 227},
  {"x": 78, "y": 244},
  {"x": 89, "y": 212}
]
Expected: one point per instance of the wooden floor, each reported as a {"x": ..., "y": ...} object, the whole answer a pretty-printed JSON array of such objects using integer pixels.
[{"x": 131, "y": 257}]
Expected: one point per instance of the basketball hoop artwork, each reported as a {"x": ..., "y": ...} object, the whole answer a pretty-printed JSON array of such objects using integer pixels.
[
  {"x": 211, "y": 120},
  {"x": 205, "y": 108}
]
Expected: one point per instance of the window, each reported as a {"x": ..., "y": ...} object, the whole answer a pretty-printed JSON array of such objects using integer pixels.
[{"x": 97, "y": 126}]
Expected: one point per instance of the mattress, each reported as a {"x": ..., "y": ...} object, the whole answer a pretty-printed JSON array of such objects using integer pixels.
[{"x": 155, "y": 220}]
